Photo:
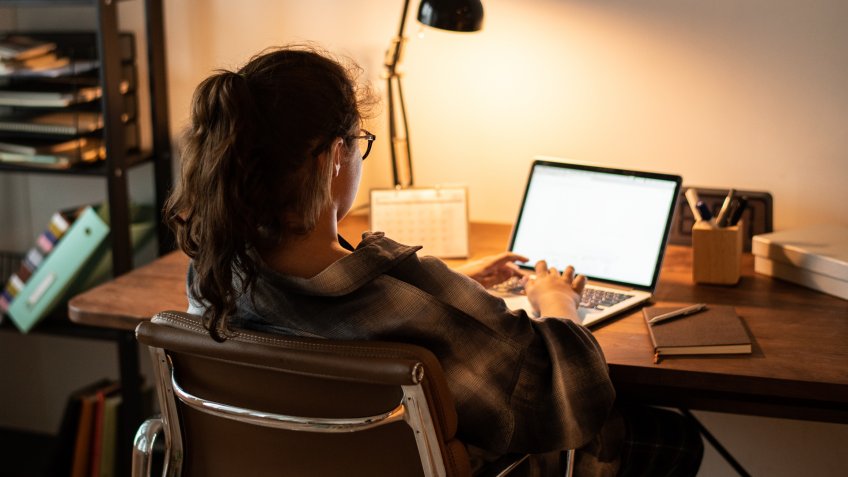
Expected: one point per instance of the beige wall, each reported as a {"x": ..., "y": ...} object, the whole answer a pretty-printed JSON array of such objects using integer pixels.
[{"x": 726, "y": 93}]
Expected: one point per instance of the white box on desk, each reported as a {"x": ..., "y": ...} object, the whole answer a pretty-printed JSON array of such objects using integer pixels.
[{"x": 814, "y": 256}]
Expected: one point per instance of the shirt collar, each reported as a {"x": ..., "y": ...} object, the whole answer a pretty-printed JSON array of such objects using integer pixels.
[{"x": 374, "y": 255}]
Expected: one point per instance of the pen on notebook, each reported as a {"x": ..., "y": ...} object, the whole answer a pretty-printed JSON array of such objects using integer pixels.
[
  {"x": 692, "y": 198},
  {"x": 721, "y": 218},
  {"x": 678, "y": 313}
]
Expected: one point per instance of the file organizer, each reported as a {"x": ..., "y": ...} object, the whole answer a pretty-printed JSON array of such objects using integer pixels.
[
  {"x": 53, "y": 277},
  {"x": 435, "y": 218}
]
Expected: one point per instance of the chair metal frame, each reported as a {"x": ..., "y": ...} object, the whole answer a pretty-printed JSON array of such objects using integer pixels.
[
  {"x": 410, "y": 410},
  {"x": 413, "y": 409}
]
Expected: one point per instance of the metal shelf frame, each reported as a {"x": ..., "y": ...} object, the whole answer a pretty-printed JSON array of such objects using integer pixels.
[{"x": 114, "y": 170}]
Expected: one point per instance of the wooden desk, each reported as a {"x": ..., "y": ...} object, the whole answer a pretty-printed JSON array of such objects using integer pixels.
[{"x": 799, "y": 367}]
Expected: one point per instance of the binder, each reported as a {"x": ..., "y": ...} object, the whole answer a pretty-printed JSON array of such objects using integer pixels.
[{"x": 52, "y": 278}]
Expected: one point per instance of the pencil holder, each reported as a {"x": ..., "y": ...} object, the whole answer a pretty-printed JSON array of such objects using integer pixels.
[{"x": 716, "y": 253}]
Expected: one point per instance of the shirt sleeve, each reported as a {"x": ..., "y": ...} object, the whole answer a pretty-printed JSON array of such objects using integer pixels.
[{"x": 520, "y": 384}]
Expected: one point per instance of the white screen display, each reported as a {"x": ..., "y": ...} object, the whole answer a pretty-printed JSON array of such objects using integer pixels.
[{"x": 608, "y": 226}]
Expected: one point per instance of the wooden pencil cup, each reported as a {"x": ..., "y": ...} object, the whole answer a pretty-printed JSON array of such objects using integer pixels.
[{"x": 716, "y": 253}]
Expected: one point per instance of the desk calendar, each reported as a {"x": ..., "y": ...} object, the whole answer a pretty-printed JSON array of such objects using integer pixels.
[{"x": 435, "y": 218}]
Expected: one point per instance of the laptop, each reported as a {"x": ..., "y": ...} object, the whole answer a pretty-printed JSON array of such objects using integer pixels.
[{"x": 610, "y": 224}]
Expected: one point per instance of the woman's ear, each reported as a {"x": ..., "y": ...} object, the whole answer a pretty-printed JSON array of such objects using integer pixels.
[{"x": 338, "y": 155}]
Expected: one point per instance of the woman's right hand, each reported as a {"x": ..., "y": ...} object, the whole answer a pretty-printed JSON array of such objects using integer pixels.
[{"x": 555, "y": 294}]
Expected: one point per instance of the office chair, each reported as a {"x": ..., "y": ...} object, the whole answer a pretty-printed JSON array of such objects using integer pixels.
[{"x": 262, "y": 404}]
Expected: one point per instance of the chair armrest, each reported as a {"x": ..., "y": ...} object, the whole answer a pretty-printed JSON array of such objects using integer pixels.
[{"x": 142, "y": 456}]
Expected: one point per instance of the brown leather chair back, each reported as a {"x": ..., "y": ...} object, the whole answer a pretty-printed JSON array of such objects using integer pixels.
[{"x": 262, "y": 404}]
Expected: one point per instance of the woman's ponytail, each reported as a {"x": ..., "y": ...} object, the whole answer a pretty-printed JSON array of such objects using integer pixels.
[
  {"x": 254, "y": 170},
  {"x": 218, "y": 146}
]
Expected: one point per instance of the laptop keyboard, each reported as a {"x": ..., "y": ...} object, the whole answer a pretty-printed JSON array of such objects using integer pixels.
[
  {"x": 597, "y": 299},
  {"x": 592, "y": 299}
]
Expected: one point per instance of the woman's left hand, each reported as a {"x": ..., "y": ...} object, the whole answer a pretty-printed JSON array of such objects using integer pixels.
[{"x": 494, "y": 269}]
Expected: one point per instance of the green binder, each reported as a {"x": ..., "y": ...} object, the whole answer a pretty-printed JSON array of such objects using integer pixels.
[{"x": 46, "y": 288}]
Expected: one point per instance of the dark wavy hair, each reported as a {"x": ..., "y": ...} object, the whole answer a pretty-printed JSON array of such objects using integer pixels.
[{"x": 252, "y": 174}]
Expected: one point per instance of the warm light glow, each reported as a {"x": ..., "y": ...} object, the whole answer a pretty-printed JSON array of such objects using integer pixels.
[
  {"x": 721, "y": 92},
  {"x": 615, "y": 85}
]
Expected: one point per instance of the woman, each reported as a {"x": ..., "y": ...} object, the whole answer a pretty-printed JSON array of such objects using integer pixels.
[{"x": 272, "y": 163}]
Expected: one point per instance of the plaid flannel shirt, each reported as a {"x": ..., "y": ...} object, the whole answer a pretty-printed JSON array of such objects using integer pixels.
[{"x": 520, "y": 384}]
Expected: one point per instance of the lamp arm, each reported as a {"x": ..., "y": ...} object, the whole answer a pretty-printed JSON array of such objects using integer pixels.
[
  {"x": 393, "y": 58},
  {"x": 394, "y": 53}
]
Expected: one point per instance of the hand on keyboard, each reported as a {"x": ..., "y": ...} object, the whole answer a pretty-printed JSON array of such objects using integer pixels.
[
  {"x": 494, "y": 269},
  {"x": 511, "y": 286},
  {"x": 553, "y": 293}
]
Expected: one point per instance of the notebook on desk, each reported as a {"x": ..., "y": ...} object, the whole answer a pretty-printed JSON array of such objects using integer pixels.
[{"x": 610, "y": 224}]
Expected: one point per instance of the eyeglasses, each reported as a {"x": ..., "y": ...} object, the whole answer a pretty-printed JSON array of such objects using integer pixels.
[{"x": 365, "y": 141}]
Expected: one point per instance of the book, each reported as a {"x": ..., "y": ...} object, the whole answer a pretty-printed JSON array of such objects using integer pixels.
[
  {"x": 80, "y": 44},
  {"x": 98, "y": 428},
  {"x": 716, "y": 330},
  {"x": 46, "y": 61},
  {"x": 72, "y": 67},
  {"x": 110, "y": 435},
  {"x": 59, "y": 123},
  {"x": 91, "y": 77},
  {"x": 64, "y": 154},
  {"x": 92, "y": 405},
  {"x": 82, "y": 442},
  {"x": 44, "y": 146},
  {"x": 80, "y": 48},
  {"x": 820, "y": 249},
  {"x": 36, "y": 96},
  {"x": 63, "y": 454},
  {"x": 22, "y": 47}
]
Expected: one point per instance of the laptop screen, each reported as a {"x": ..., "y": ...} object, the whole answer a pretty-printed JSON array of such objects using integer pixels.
[{"x": 610, "y": 224}]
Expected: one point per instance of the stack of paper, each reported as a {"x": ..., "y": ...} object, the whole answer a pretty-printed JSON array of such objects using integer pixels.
[
  {"x": 815, "y": 257},
  {"x": 20, "y": 53}
]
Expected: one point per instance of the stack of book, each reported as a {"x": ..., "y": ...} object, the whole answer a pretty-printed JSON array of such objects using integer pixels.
[
  {"x": 21, "y": 54},
  {"x": 56, "y": 154},
  {"x": 88, "y": 433},
  {"x": 50, "y": 111},
  {"x": 815, "y": 257}
]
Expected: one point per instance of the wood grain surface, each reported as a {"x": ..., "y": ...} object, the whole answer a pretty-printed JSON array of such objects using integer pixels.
[{"x": 798, "y": 368}]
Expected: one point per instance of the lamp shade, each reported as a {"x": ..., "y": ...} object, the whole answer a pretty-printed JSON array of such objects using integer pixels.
[{"x": 453, "y": 15}]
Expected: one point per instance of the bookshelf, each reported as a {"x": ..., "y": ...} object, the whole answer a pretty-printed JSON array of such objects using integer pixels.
[{"x": 120, "y": 157}]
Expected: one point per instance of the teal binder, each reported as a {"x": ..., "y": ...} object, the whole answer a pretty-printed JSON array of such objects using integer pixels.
[{"x": 46, "y": 288}]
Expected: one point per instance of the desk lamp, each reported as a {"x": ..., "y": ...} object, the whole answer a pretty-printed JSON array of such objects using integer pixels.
[{"x": 453, "y": 15}]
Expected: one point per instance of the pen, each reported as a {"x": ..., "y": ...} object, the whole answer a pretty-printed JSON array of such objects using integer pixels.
[
  {"x": 737, "y": 213},
  {"x": 721, "y": 218},
  {"x": 692, "y": 198},
  {"x": 734, "y": 204},
  {"x": 678, "y": 313},
  {"x": 704, "y": 210}
]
